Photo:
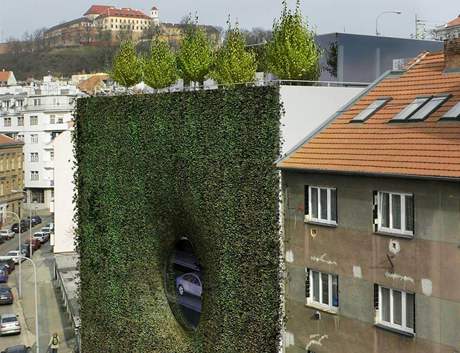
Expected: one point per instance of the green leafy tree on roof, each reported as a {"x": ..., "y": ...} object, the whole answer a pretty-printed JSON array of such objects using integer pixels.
[
  {"x": 234, "y": 64},
  {"x": 195, "y": 55},
  {"x": 292, "y": 53},
  {"x": 160, "y": 68},
  {"x": 127, "y": 67}
]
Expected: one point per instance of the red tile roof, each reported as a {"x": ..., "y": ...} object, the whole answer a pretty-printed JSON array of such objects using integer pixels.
[
  {"x": 5, "y": 75},
  {"x": 429, "y": 148},
  {"x": 107, "y": 11},
  {"x": 454, "y": 22},
  {"x": 97, "y": 10},
  {"x": 5, "y": 140}
]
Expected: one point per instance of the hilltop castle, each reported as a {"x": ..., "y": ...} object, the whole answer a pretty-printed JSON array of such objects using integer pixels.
[{"x": 108, "y": 24}]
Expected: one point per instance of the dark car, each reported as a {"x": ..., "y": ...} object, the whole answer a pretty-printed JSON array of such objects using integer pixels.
[
  {"x": 5, "y": 266},
  {"x": 17, "y": 349},
  {"x": 6, "y": 296},
  {"x": 26, "y": 250},
  {"x": 24, "y": 227},
  {"x": 36, "y": 220},
  {"x": 3, "y": 276},
  {"x": 10, "y": 264}
]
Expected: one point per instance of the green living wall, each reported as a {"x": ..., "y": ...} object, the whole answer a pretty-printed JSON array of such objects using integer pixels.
[{"x": 153, "y": 168}]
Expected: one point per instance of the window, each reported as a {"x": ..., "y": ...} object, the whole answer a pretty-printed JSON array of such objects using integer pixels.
[
  {"x": 34, "y": 157},
  {"x": 453, "y": 113},
  {"x": 433, "y": 104},
  {"x": 52, "y": 119},
  {"x": 34, "y": 138},
  {"x": 411, "y": 108},
  {"x": 37, "y": 102},
  {"x": 51, "y": 155},
  {"x": 395, "y": 309},
  {"x": 322, "y": 290},
  {"x": 370, "y": 110},
  {"x": 34, "y": 175},
  {"x": 60, "y": 120},
  {"x": 322, "y": 204},
  {"x": 395, "y": 213},
  {"x": 20, "y": 121},
  {"x": 21, "y": 137},
  {"x": 6, "y": 122},
  {"x": 34, "y": 120}
]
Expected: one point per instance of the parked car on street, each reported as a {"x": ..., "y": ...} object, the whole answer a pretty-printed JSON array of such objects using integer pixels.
[
  {"x": 46, "y": 230},
  {"x": 3, "y": 276},
  {"x": 36, "y": 243},
  {"x": 189, "y": 283},
  {"x": 9, "y": 324},
  {"x": 9, "y": 261},
  {"x": 17, "y": 349},
  {"x": 50, "y": 226},
  {"x": 43, "y": 237},
  {"x": 7, "y": 234},
  {"x": 35, "y": 220},
  {"x": 24, "y": 227},
  {"x": 14, "y": 254},
  {"x": 6, "y": 295},
  {"x": 25, "y": 248},
  {"x": 5, "y": 268}
]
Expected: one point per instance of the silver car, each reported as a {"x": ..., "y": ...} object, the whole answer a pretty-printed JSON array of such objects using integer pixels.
[
  {"x": 9, "y": 324},
  {"x": 189, "y": 283}
]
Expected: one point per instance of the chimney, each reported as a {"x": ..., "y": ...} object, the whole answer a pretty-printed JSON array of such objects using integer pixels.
[{"x": 452, "y": 55}]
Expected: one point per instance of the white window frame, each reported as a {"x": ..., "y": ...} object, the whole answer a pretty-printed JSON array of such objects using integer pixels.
[
  {"x": 7, "y": 122},
  {"x": 34, "y": 175},
  {"x": 34, "y": 138},
  {"x": 33, "y": 120},
  {"x": 403, "y": 327},
  {"x": 320, "y": 219},
  {"x": 390, "y": 229},
  {"x": 319, "y": 304},
  {"x": 34, "y": 157}
]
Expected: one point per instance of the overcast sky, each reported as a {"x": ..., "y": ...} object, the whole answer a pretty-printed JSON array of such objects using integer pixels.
[{"x": 351, "y": 16}]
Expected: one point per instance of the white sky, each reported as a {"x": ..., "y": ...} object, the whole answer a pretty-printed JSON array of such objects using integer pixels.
[{"x": 351, "y": 16}]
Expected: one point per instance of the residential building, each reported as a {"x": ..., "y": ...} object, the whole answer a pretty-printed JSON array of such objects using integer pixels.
[
  {"x": 371, "y": 218},
  {"x": 7, "y": 78},
  {"x": 11, "y": 178},
  {"x": 64, "y": 188},
  {"x": 363, "y": 58},
  {"x": 450, "y": 30},
  {"x": 35, "y": 115}
]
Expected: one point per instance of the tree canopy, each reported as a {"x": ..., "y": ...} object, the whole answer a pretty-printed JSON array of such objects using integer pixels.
[
  {"x": 195, "y": 55},
  {"x": 127, "y": 67},
  {"x": 160, "y": 68},
  {"x": 293, "y": 54},
  {"x": 234, "y": 64}
]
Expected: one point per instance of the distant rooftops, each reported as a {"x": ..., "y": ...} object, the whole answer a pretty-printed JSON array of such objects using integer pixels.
[{"x": 454, "y": 22}]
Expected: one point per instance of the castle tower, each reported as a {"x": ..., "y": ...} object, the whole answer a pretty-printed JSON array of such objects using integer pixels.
[{"x": 154, "y": 14}]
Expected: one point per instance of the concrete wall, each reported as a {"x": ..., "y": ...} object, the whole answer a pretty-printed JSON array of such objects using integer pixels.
[
  {"x": 307, "y": 107},
  {"x": 63, "y": 193},
  {"x": 426, "y": 265}
]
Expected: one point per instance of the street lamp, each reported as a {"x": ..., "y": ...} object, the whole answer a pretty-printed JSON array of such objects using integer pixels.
[
  {"x": 36, "y": 300},
  {"x": 377, "y": 20},
  {"x": 28, "y": 196},
  {"x": 20, "y": 252}
]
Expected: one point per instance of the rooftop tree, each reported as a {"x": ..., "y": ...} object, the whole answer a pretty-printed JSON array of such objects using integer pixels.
[
  {"x": 127, "y": 67},
  {"x": 292, "y": 54},
  {"x": 195, "y": 55},
  {"x": 233, "y": 63},
  {"x": 160, "y": 68}
]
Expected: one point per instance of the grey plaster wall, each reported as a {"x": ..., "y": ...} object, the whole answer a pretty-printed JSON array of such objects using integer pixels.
[{"x": 428, "y": 265}]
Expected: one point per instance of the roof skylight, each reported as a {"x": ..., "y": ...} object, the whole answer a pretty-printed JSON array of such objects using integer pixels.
[
  {"x": 370, "y": 110},
  {"x": 453, "y": 113},
  {"x": 428, "y": 108},
  {"x": 408, "y": 111}
]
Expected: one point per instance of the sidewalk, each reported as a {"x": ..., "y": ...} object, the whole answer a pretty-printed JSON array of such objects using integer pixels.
[{"x": 50, "y": 311}]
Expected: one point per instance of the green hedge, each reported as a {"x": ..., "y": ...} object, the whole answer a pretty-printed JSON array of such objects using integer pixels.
[{"x": 153, "y": 168}]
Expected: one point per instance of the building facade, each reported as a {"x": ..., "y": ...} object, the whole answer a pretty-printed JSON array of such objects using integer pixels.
[
  {"x": 11, "y": 178},
  {"x": 450, "y": 30},
  {"x": 372, "y": 219},
  {"x": 36, "y": 115}
]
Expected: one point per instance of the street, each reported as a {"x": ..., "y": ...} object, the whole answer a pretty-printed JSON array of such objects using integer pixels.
[{"x": 50, "y": 316}]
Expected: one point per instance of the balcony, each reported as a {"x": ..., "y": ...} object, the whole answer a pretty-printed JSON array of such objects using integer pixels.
[{"x": 51, "y": 107}]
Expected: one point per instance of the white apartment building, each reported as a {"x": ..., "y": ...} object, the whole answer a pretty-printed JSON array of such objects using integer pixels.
[{"x": 37, "y": 114}]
